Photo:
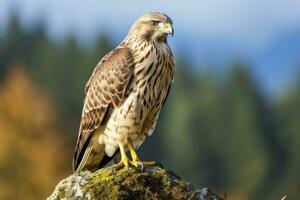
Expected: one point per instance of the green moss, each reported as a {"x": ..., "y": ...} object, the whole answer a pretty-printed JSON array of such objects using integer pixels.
[{"x": 133, "y": 184}]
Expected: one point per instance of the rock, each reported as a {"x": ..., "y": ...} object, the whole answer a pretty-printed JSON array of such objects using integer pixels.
[{"x": 128, "y": 183}]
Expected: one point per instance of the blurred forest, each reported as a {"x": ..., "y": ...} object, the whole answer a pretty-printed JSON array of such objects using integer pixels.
[{"x": 216, "y": 130}]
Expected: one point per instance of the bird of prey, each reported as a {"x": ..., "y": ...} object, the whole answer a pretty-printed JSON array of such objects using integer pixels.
[{"x": 125, "y": 95}]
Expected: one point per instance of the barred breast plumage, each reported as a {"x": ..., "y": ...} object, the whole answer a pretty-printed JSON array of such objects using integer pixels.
[{"x": 137, "y": 115}]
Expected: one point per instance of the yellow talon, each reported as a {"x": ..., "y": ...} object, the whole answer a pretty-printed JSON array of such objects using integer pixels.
[
  {"x": 125, "y": 162},
  {"x": 136, "y": 158},
  {"x": 149, "y": 163}
]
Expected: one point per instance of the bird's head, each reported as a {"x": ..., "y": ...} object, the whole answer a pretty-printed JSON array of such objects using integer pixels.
[{"x": 153, "y": 26}]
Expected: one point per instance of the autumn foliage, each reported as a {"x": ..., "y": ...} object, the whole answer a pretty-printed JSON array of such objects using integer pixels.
[{"x": 32, "y": 154}]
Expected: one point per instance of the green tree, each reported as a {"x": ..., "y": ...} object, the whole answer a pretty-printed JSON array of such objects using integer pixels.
[
  {"x": 245, "y": 154},
  {"x": 288, "y": 115}
]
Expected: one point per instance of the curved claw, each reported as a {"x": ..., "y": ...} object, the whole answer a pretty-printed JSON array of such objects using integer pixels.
[{"x": 140, "y": 166}]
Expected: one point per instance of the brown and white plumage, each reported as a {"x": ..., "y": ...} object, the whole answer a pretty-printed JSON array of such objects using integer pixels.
[{"x": 125, "y": 93}]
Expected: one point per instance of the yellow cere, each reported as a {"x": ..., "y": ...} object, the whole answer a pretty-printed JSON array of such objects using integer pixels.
[{"x": 167, "y": 25}]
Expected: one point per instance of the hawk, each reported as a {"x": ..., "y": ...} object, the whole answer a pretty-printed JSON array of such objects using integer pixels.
[{"x": 125, "y": 95}]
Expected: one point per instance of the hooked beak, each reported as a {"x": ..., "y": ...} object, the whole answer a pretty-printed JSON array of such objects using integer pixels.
[{"x": 167, "y": 28}]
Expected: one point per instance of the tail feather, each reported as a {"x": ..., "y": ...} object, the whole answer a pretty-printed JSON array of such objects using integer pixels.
[
  {"x": 85, "y": 158},
  {"x": 93, "y": 155}
]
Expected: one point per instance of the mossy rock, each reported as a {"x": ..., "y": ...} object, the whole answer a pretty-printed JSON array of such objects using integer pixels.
[{"x": 152, "y": 183}]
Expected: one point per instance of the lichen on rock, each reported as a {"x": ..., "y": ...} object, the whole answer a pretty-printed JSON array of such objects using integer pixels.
[{"x": 128, "y": 183}]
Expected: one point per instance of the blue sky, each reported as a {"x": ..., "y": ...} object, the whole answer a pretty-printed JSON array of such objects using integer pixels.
[{"x": 265, "y": 33}]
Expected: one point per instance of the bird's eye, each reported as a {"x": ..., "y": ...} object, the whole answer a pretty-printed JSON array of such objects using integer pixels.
[{"x": 154, "y": 23}]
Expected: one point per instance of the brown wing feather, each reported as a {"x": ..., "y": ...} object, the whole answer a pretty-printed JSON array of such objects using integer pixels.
[{"x": 105, "y": 89}]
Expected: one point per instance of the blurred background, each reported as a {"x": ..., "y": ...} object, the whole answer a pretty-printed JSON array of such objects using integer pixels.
[{"x": 232, "y": 120}]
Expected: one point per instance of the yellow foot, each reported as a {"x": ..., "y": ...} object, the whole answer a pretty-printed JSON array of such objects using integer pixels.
[
  {"x": 139, "y": 165},
  {"x": 135, "y": 162},
  {"x": 148, "y": 163},
  {"x": 128, "y": 163}
]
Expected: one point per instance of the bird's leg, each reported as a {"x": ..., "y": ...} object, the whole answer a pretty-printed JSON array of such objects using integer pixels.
[
  {"x": 135, "y": 162},
  {"x": 133, "y": 152},
  {"x": 135, "y": 158},
  {"x": 124, "y": 159},
  {"x": 125, "y": 162}
]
